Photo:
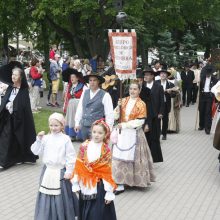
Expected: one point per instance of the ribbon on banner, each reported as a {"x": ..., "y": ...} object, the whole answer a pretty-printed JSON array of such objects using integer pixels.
[{"x": 123, "y": 47}]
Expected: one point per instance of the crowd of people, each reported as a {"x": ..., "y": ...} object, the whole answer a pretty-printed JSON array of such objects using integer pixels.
[{"x": 120, "y": 135}]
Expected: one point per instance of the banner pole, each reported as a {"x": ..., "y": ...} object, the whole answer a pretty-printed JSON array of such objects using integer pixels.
[{"x": 120, "y": 96}]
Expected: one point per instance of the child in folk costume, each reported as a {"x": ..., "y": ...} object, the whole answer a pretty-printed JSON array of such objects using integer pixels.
[
  {"x": 92, "y": 176},
  {"x": 55, "y": 199}
]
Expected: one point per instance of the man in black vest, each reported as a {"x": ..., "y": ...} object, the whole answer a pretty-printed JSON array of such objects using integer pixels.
[
  {"x": 155, "y": 109},
  {"x": 167, "y": 99},
  {"x": 187, "y": 77},
  {"x": 205, "y": 100}
]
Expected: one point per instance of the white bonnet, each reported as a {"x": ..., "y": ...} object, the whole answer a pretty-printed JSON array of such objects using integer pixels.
[{"x": 57, "y": 116}]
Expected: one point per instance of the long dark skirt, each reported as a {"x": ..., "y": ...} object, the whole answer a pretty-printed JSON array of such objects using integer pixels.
[
  {"x": 10, "y": 150},
  {"x": 61, "y": 207},
  {"x": 153, "y": 139},
  {"x": 96, "y": 209}
]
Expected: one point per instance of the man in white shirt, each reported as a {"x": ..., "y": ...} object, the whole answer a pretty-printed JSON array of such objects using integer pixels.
[
  {"x": 195, "y": 82},
  {"x": 94, "y": 104},
  {"x": 206, "y": 99}
]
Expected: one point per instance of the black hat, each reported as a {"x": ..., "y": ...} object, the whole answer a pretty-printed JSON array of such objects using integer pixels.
[
  {"x": 150, "y": 70},
  {"x": 70, "y": 71},
  {"x": 186, "y": 64},
  {"x": 6, "y": 71},
  {"x": 164, "y": 71},
  {"x": 139, "y": 73},
  {"x": 100, "y": 78}
]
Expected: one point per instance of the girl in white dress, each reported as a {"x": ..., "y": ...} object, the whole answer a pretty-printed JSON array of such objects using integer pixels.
[{"x": 55, "y": 198}]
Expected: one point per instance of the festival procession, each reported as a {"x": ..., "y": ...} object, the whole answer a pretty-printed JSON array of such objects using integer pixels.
[{"x": 124, "y": 124}]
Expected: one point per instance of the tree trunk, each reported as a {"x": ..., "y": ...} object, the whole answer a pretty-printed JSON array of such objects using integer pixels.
[
  {"x": 73, "y": 19},
  {"x": 46, "y": 46},
  {"x": 5, "y": 44},
  {"x": 144, "y": 56}
]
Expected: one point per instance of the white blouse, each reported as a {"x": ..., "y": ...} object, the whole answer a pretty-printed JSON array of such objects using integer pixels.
[
  {"x": 57, "y": 151},
  {"x": 93, "y": 153}
]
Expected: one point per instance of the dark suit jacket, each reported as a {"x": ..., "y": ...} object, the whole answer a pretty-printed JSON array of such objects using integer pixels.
[
  {"x": 145, "y": 94},
  {"x": 212, "y": 83},
  {"x": 167, "y": 95},
  {"x": 155, "y": 102},
  {"x": 187, "y": 80}
]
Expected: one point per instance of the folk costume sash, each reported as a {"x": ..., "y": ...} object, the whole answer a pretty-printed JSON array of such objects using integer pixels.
[
  {"x": 91, "y": 173},
  {"x": 138, "y": 112}
]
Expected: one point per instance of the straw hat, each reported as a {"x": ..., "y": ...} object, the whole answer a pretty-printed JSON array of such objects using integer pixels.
[{"x": 217, "y": 93}]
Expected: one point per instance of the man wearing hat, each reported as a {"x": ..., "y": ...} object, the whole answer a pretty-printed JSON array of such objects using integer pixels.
[
  {"x": 144, "y": 91},
  {"x": 187, "y": 77},
  {"x": 205, "y": 100},
  {"x": 155, "y": 109},
  {"x": 167, "y": 88},
  {"x": 157, "y": 67},
  {"x": 94, "y": 104}
]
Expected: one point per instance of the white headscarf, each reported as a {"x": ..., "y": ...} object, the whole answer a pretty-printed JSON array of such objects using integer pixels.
[{"x": 57, "y": 116}]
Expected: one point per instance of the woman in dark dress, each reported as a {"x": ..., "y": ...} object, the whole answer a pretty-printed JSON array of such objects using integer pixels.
[{"x": 17, "y": 131}]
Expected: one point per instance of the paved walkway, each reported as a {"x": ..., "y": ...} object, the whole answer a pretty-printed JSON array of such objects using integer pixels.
[{"x": 187, "y": 187}]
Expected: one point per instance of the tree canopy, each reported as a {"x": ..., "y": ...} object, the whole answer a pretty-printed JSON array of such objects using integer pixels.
[{"x": 83, "y": 24}]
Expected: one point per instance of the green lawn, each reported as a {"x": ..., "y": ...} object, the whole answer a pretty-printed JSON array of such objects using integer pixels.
[{"x": 41, "y": 120}]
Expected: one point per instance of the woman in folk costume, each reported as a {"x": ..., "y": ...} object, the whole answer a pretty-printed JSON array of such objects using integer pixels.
[
  {"x": 176, "y": 102},
  {"x": 17, "y": 131},
  {"x": 55, "y": 198},
  {"x": 92, "y": 176},
  {"x": 132, "y": 162},
  {"x": 72, "y": 96}
]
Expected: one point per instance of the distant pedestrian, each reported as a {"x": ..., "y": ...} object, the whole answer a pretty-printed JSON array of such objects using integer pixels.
[
  {"x": 187, "y": 77},
  {"x": 36, "y": 75},
  {"x": 55, "y": 73}
]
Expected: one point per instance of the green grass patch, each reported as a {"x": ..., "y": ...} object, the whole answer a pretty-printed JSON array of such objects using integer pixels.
[{"x": 41, "y": 120}]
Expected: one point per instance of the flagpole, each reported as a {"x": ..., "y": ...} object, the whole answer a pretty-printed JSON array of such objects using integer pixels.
[{"x": 120, "y": 19}]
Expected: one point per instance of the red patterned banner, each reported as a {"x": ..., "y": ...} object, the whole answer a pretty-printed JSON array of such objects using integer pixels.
[{"x": 124, "y": 53}]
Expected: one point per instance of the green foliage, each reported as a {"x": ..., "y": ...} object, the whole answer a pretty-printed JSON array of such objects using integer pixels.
[
  {"x": 187, "y": 52},
  {"x": 41, "y": 120},
  {"x": 82, "y": 24},
  {"x": 166, "y": 48}
]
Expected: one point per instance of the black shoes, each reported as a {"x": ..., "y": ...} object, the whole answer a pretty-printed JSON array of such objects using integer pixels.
[
  {"x": 187, "y": 105},
  {"x": 118, "y": 192},
  {"x": 164, "y": 137},
  {"x": 207, "y": 131}
]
